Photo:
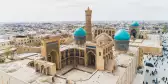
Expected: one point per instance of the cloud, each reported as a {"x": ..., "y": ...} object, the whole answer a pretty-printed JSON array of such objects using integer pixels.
[
  {"x": 150, "y": 3},
  {"x": 79, "y": 3},
  {"x": 54, "y": 10}
]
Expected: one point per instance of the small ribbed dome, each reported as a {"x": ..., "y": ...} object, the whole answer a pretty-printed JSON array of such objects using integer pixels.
[
  {"x": 103, "y": 37},
  {"x": 122, "y": 34},
  {"x": 80, "y": 32},
  {"x": 135, "y": 24}
]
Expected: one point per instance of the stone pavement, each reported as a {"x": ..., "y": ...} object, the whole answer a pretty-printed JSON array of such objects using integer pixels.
[{"x": 161, "y": 66}]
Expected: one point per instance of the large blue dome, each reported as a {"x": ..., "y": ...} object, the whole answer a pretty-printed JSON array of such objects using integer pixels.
[
  {"x": 80, "y": 32},
  {"x": 135, "y": 24},
  {"x": 122, "y": 34}
]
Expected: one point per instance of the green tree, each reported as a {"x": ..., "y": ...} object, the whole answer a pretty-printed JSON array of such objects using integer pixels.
[
  {"x": 165, "y": 28},
  {"x": 2, "y": 59},
  {"x": 7, "y": 52}
]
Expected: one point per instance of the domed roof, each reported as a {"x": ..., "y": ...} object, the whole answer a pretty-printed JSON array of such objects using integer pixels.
[
  {"x": 122, "y": 34},
  {"x": 103, "y": 37},
  {"x": 80, "y": 32},
  {"x": 135, "y": 24}
]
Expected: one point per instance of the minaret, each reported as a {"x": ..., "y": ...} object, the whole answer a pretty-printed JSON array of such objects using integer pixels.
[{"x": 88, "y": 25}]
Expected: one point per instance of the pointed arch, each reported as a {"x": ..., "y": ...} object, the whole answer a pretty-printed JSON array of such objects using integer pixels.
[
  {"x": 91, "y": 58},
  {"x": 37, "y": 67},
  {"x": 42, "y": 68}
]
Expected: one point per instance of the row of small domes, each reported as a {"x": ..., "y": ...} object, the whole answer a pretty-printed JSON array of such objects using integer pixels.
[{"x": 121, "y": 34}]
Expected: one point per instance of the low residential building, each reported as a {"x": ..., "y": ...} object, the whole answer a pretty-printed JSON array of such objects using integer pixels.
[
  {"x": 5, "y": 44},
  {"x": 28, "y": 49}
]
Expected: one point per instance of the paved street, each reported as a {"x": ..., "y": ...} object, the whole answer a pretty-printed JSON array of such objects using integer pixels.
[{"x": 160, "y": 67}]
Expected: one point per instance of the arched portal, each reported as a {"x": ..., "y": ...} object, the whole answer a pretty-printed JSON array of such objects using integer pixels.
[
  {"x": 49, "y": 58},
  {"x": 133, "y": 33},
  {"x": 105, "y": 62},
  {"x": 45, "y": 71},
  {"x": 37, "y": 67},
  {"x": 42, "y": 68},
  {"x": 53, "y": 56},
  {"x": 48, "y": 71},
  {"x": 91, "y": 59}
]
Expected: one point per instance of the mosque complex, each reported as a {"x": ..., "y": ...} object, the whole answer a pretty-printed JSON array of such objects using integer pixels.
[
  {"x": 119, "y": 52},
  {"x": 105, "y": 55}
]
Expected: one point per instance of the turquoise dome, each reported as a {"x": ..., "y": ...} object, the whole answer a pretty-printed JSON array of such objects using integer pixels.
[
  {"x": 135, "y": 24},
  {"x": 122, "y": 34},
  {"x": 80, "y": 32}
]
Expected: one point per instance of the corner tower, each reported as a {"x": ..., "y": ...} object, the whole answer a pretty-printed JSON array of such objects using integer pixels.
[{"x": 88, "y": 25}]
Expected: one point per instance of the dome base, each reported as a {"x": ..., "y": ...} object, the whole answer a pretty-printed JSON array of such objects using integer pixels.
[{"x": 121, "y": 45}]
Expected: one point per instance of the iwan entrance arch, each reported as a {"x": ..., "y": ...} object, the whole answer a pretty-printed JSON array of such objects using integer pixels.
[{"x": 91, "y": 59}]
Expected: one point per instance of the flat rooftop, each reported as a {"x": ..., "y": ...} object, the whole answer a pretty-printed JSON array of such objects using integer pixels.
[
  {"x": 3, "y": 51},
  {"x": 154, "y": 37},
  {"x": 101, "y": 77},
  {"x": 35, "y": 57},
  {"x": 20, "y": 70},
  {"x": 136, "y": 41},
  {"x": 65, "y": 47},
  {"x": 132, "y": 49},
  {"x": 120, "y": 71},
  {"x": 123, "y": 59},
  {"x": 77, "y": 75},
  {"x": 25, "y": 55},
  {"x": 146, "y": 43},
  {"x": 4, "y": 40},
  {"x": 150, "y": 43}
]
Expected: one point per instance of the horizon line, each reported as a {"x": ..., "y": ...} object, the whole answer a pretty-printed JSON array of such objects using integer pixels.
[{"x": 77, "y": 21}]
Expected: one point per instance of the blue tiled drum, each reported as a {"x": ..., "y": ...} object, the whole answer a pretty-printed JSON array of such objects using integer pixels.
[
  {"x": 121, "y": 45},
  {"x": 121, "y": 40}
]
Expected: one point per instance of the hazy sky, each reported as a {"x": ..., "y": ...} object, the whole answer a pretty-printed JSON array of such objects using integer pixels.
[{"x": 73, "y": 10}]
